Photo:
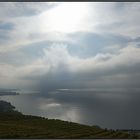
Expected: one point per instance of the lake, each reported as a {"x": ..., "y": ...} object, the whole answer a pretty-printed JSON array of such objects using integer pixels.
[{"x": 109, "y": 108}]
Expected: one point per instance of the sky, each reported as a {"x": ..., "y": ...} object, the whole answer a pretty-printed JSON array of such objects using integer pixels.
[{"x": 69, "y": 45}]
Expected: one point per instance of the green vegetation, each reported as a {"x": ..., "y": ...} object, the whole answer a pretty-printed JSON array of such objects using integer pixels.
[
  {"x": 17, "y": 125},
  {"x": 7, "y": 107}
]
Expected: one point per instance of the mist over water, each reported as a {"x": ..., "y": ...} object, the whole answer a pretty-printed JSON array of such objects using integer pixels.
[{"x": 109, "y": 108}]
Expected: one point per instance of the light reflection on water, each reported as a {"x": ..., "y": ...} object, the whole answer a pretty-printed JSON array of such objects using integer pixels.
[{"x": 111, "y": 108}]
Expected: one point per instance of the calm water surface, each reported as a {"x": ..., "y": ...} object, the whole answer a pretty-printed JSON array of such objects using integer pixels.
[{"x": 108, "y": 108}]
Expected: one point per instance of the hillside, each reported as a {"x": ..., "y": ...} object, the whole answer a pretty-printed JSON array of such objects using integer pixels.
[{"x": 17, "y": 125}]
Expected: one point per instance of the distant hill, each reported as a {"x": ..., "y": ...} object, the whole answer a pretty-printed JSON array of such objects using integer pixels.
[
  {"x": 3, "y": 93},
  {"x": 6, "y": 107},
  {"x": 17, "y": 125}
]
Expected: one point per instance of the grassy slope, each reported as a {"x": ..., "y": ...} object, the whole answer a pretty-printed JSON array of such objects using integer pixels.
[{"x": 15, "y": 125}]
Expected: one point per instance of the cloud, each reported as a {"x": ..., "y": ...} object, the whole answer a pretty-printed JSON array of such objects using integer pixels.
[
  {"x": 59, "y": 69},
  {"x": 87, "y": 44},
  {"x": 5, "y": 29},
  {"x": 116, "y": 18},
  {"x": 18, "y": 9},
  {"x": 6, "y": 26},
  {"x": 104, "y": 26},
  {"x": 17, "y": 24},
  {"x": 54, "y": 66}
]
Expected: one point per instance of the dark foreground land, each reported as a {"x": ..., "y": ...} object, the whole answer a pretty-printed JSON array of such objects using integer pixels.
[{"x": 16, "y": 125}]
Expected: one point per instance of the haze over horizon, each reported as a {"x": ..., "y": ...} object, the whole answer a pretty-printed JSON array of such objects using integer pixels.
[{"x": 74, "y": 45}]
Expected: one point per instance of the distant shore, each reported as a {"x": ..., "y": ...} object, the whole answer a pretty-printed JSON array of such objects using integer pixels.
[{"x": 4, "y": 93}]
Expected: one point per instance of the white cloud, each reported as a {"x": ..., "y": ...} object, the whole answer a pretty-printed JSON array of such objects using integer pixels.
[{"x": 97, "y": 17}]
